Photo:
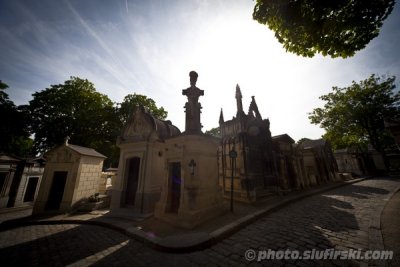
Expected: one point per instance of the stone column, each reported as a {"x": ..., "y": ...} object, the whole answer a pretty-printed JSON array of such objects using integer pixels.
[{"x": 193, "y": 107}]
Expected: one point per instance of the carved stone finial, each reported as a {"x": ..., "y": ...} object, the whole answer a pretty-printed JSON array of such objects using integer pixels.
[
  {"x": 193, "y": 107},
  {"x": 254, "y": 108},
  {"x": 238, "y": 92},
  {"x": 239, "y": 101},
  {"x": 193, "y": 78}
]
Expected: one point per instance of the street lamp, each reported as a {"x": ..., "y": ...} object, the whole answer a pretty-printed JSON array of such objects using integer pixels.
[{"x": 233, "y": 156}]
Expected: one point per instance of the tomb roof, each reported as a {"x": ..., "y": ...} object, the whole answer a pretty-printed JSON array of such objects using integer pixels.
[{"x": 86, "y": 151}]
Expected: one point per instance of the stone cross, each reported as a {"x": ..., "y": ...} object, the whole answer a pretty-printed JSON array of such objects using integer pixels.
[{"x": 193, "y": 107}]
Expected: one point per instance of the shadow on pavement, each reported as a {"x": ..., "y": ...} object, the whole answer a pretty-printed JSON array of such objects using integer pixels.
[{"x": 319, "y": 222}]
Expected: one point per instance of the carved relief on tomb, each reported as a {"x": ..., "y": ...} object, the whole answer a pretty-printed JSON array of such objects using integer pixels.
[{"x": 139, "y": 126}]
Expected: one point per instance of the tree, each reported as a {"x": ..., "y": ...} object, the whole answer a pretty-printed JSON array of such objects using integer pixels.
[
  {"x": 214, "y": 132},
  {"x": 14, "y": 134},
  {"x": 77, "y": 110},
  {"x": 302, "y": 140},
  {"x": 354, "y": 115},
  {"x": 126, "y": 107},
  {"x": 337, "y": 28}
]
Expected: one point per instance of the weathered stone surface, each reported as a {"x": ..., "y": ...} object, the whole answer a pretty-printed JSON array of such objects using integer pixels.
[
  {"x": 79, "y": 166},
  {"x": 334, "y": 219},
  {"x": 196, "y": 196},
  {"x": 193, "y": 107}
]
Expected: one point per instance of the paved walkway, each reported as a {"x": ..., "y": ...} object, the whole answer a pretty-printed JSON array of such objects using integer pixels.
[
  {"x": 391, "y": 227},
  {"x": 7, "y": 214},
  {"x": 339, "y": 219}
]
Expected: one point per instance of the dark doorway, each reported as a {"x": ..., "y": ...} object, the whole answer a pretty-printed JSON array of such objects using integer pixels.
[
  {"x": 132, "y": 182},
  {"x": 31, "y": 189},
  {"x": 56, "y": 190},
  {"x": 174, "y": 194},
  {"x": 15, "y": 185},
  {"x": 3, "y": 176},
  {"x": 291, "y": 173}
]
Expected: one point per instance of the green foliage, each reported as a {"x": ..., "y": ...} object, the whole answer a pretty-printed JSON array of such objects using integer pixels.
[
  {"x": 14, "y": 134},
  {"x": 214, "y": 132},
  {"x": 4, "y": 100},
  {"x": 354, "y": 115},
  {"x": 301, "y": 140},
  {"x": 337, "y": 28},
  {"x": 89, "y": 118},
  {"x": 126, "y": 107},
  {"x": 77, "y": 110}
]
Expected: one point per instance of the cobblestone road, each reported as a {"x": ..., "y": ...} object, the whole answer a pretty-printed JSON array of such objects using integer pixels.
[{"x": 338, "y": 219}]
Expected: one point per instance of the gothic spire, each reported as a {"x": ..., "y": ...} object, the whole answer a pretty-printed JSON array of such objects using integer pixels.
[
  {"x": 239, "y": 101},
  {"x": 221, "y": 117},
  {"x": 253, "y": 108}
]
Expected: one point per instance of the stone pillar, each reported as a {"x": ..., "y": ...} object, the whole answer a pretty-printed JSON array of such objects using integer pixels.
[{"x": 193, "y": 107}]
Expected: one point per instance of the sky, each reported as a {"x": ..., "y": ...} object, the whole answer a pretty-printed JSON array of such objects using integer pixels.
[{"x": 149, "y": 47}]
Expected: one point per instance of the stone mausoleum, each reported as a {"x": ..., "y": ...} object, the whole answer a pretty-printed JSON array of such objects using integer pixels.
[
  {"x": 163, "y": 171},
  {"x": 190, "y": 194},
  {"x": 254, "y": 170},
  {"x": 262, "y": 164},
  {"x": 182, "y": 178},
  {"x": 141, "y": 164},
  {"x": 71, "y": 175}
]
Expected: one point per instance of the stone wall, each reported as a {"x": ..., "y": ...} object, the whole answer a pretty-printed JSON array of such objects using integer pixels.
[
  {"x": 29, "y": 172},
  {"x": 88, "y": 181},
  {"x": 82, "y": 178}
]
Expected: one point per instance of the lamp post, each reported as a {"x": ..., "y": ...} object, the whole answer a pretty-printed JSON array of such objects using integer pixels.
[{"x": 232, "y": 155}]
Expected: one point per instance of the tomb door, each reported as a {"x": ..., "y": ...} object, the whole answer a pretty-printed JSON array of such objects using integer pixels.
[
  {"x": 292, "y": 176},
  {"x": 3, "y": 179},
  {"x": 31, "y": 189},
  {"x": 133, "y": 166},
  {"x": 174, "y": 192},
  {"x": 56, "y": 190}
]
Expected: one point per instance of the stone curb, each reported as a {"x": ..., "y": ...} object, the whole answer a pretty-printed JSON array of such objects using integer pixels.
[
  {"x": 375, "y": 237},
  {"x": 181, "y": 243}
]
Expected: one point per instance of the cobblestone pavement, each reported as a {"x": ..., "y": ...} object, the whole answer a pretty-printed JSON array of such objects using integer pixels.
[
  {"x": 10, "y": 215},
  {"x": 391, "y": 227},
  {"x": 336, "y": 219}
]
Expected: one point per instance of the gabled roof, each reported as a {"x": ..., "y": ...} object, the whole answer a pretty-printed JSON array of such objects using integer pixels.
[
  {"x": 5, "y": 158},
  {"x": 313, "y": 143},
  {"x": 283, "y": 138},
  {"x": 86, "y": 151}
]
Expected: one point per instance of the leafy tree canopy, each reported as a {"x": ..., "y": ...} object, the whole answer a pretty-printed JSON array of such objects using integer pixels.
[
  {"x": 354, "y": 115},
  {"x": 214, "y": 132},
  {"x": 77, "y": 110},
  {"x": 126, "y": 107},
  {"x": 89, "y": 118},
  {"x": 302, "y": 140},
  {"x": 337, "y": 28},
  {"x": 14, "y": 133}
]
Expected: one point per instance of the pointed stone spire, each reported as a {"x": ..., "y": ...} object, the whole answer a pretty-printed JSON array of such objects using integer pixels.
[
  {"x": 254, "y": 108},
  {"x": 221, "y": 117},
  {"x": 239, "y": 101}
]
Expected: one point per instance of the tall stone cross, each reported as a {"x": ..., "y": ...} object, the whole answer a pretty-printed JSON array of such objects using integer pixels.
[{"x": 193, "y": 107}]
